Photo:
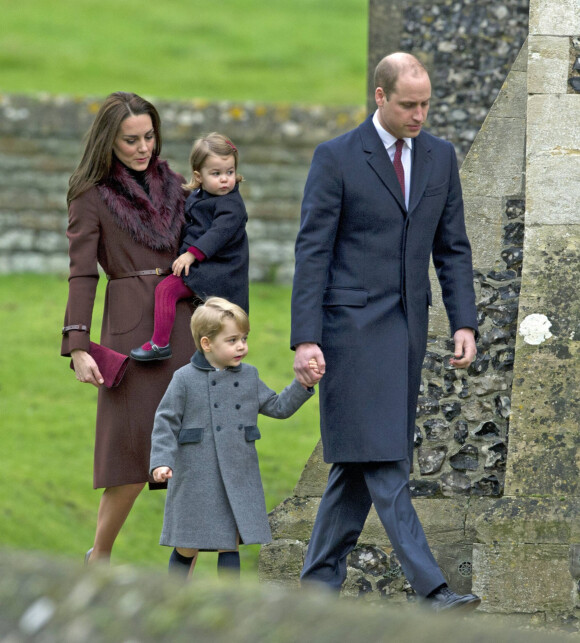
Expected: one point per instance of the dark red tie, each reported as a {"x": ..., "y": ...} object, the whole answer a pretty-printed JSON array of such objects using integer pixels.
[{"x": 399, "y": 171}]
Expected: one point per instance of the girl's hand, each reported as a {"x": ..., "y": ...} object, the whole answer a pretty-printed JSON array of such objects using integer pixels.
[
  {"x": 86, "y": 368},
  {"x": 161, "y": 474},
  {"x": 183, "y": 261}
]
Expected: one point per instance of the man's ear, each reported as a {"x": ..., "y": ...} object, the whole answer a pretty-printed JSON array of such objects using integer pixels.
[
  {"x": 205, "y": 344},
  {"x": 380, "y": 96}
]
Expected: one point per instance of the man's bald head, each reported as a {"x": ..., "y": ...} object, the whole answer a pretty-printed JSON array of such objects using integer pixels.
[{"x": 391, "y": 67}]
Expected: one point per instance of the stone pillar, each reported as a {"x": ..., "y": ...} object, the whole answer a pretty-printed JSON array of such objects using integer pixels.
[{"x": 527, "y": 553}]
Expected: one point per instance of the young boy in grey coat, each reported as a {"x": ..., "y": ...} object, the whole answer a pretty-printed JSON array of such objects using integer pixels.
[{"x": 203, "y": 442}]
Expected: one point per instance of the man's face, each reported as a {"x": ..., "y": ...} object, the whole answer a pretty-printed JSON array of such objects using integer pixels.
[{"x": 406, "y": 110}]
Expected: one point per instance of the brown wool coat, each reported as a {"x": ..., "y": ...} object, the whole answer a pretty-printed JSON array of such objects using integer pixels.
[{"x": 124, "y": 414}]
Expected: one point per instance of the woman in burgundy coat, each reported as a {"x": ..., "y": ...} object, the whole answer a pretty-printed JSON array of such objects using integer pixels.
[{"x": 125, "y": 214}]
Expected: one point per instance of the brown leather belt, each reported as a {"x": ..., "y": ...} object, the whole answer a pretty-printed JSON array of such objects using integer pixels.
[{"x": 141, "y": 273}]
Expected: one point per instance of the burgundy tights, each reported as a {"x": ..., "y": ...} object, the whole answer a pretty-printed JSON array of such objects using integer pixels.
[{"x": 167, "y": 294}]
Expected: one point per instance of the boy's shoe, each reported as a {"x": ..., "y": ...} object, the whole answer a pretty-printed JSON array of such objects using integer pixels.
[{"x": 156, "y": 353}]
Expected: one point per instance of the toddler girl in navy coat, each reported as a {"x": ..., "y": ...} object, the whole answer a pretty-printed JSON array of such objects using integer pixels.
[
  {"x": 204, "y": 438},
  {"x": 214, "y": 256}
]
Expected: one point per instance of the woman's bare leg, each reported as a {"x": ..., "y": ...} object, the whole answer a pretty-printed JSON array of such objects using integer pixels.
[{"x": 115, "y": 505}]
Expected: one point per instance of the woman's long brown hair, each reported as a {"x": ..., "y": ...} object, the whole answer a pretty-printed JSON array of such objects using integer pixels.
[{"x": 97, "y": 157}]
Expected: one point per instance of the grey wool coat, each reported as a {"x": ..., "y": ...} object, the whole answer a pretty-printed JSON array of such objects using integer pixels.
[{"x": 205, "y": 430}]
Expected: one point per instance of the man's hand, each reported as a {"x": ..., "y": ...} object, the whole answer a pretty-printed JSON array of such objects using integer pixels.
[
  {"x": 305, "y": 373},
  {"x": 465, "y": 349},
  {"x": 183, "y": 261}
]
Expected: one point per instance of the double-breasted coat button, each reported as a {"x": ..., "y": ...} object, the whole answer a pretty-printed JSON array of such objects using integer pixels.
[
  {"x": 236, "y": 383},
  {"x": 215, "y": 405},
  {"x": 218, "y": 428},
  {"x": 238, "y": 406},
  {"x": 240, "y": 426},
  {"x": 213, "y": 382}
]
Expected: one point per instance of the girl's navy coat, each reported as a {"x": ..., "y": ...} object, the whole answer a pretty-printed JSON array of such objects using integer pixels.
[
  {"x": 216, "y": 225},
  {"x": 205, "y": 431}
]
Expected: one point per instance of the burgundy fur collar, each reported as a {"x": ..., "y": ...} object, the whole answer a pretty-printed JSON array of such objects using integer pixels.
[{"x": 154, "y": 222}]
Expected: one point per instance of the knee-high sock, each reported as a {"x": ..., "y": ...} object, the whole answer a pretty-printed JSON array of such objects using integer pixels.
[
  {"x": 179, "y": 564},
  {"x": 228, "y": 563}
]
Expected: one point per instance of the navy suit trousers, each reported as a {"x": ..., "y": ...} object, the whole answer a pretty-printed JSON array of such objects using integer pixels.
[{"x": 351, "y": 490}]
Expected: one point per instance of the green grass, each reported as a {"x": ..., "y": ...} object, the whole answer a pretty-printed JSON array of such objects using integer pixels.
[
  {"x": 308, "y": 51},
  {"x": 47, "y": 421}
]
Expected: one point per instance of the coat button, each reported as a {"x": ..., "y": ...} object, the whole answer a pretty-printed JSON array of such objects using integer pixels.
[
  {"x": 240, "y": 426},
  {"x": 218, "y": 428},
  {"x": 213, "y": 382},
  {"x": 215, "y": 405},
  {"x": 236, "y": 383},
  {"x": 238, "y": 406}
]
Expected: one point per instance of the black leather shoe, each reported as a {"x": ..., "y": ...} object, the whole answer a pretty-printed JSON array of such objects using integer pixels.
[
  {"x": 156, "y": 353},
  {"x": 446, "y": 599}
]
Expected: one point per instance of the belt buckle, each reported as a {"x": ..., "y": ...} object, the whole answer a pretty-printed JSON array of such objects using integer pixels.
[{"x": 157, "y": 272}]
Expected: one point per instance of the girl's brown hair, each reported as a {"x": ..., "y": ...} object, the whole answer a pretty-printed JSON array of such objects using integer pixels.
[
  {"x": 208, "y": 319},
  {"x": 97, "y": 159},
  {"x": 213, "y": 143}
]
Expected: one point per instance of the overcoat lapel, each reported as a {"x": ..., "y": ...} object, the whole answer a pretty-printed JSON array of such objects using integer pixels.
[
  {"x": 378, "y": 159},
  {"x": 421, "y": 166}
]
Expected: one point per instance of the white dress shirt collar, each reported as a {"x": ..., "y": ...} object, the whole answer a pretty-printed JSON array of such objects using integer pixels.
[{"x": 386, "y": 137}]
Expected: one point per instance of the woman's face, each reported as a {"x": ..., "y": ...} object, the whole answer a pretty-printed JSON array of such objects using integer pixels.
[{"x": 135, "y": 141}]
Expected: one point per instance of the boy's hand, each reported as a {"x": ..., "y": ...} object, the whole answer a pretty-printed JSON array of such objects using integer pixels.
[
  {"x": 162, "y": 474},
  {"x": 313, "y": 364},
  {"x": 183, "y": 261}
]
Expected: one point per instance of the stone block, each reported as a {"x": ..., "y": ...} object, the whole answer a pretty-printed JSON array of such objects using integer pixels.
[
  {"x": 511, "y": 101},
  {"x": 294, "y": 518},
  {"x": 554, "y": 521},
  {"x": 496, "y": 158},
  {"x": 550, "y": 202},
  {"x": 484, "y": 222},
  {"x": 561, "y": 18},
  {"x": 314, "y": 476},
  {"x": 548, "y": 64},
  {"x": 281, "y": 563},
  {"x": 552, "y": 128},
  {"x": 523, "y": 578}
]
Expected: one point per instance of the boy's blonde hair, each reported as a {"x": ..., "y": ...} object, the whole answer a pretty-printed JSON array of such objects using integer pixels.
[
  {"x": 208, "y": 319},
  {"x": 212, "y": 143}
]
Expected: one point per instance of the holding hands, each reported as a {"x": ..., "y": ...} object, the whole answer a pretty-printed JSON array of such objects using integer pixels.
[
  {"x": 183, "y": 262},
  {"x": 309, "y": 364}
]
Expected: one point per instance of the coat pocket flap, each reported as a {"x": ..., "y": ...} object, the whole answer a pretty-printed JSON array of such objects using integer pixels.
[
  {"x": 252, "y": 433},
  {"x": 345, "y": 297},
  {"x": 189, "y": 436},
  {"x": 432, "y": 190}
]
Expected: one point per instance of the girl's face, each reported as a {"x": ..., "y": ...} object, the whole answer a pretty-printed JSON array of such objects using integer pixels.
[
  {"x": 135, "y": 141},
  {"x": 217, "y": 174},
  {"x": 227, "y": 348}
]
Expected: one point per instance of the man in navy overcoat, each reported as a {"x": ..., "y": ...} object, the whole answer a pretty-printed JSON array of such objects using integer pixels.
[{"x": 374, "y": 212}]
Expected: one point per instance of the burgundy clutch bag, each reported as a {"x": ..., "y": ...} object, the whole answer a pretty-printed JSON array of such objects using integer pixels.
[{"x": 111, "y": 364}]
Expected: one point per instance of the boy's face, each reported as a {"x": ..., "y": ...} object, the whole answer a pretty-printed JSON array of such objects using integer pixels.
[
  {"x": 227, "y": 348},
  {"x": 217, "y": 175}
]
